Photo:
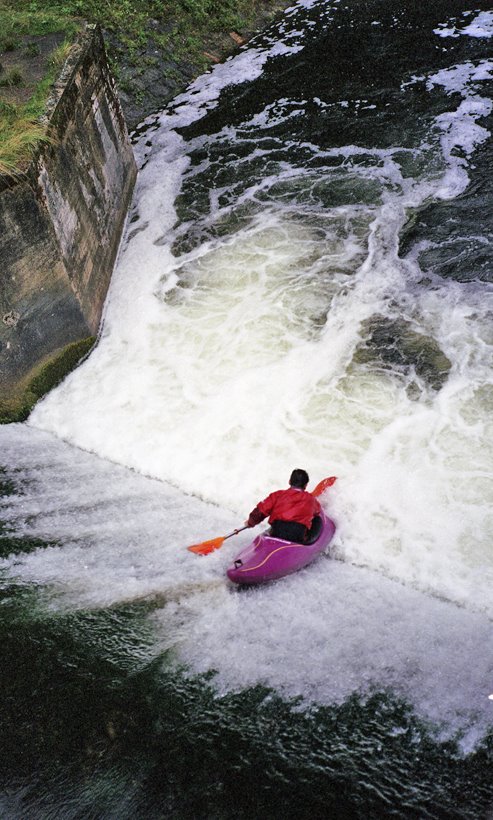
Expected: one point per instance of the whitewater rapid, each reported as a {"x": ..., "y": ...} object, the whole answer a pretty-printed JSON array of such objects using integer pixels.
[
  {"x": 231, "y": 352},
  {"x": 114, "y": 537},
  {"x": 221, "y": 368}
]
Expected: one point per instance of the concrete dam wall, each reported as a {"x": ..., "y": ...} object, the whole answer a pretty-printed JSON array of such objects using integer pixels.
[{"x": 61, "y": 223}]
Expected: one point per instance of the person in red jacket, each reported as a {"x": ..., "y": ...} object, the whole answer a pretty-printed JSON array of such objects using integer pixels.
[{"x": 290, "y": 512}]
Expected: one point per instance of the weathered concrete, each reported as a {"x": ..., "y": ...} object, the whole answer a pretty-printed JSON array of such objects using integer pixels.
[{"x": 61, "y": 221}]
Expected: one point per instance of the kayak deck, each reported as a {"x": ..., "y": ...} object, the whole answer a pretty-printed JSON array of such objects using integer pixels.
[{"x": 267, "y": 558}]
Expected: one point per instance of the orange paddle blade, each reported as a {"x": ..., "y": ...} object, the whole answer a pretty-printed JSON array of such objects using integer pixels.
[
  {"x": 207, "y": 546},
  {"x": 323, "y": 485}
]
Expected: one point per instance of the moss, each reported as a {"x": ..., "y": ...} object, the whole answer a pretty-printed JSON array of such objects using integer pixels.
[{"x": 43, "y": 379}]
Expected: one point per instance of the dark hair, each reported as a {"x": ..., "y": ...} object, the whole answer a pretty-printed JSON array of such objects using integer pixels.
[{"x": 299, "y": 478}]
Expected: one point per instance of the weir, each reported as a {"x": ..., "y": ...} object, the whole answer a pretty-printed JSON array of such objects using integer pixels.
[{"x": 258, "y": 291}]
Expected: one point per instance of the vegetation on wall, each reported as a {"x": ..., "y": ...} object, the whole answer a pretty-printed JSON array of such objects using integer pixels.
[{"x": 44, "y": 377}]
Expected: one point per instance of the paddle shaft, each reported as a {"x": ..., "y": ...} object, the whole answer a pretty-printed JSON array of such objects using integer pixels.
[
  {"x": 209, "y": 546},
  {"x": 235, "y": 532}
]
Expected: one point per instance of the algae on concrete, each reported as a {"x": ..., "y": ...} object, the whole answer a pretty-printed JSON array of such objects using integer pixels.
[{"x": 43, "y": 378}]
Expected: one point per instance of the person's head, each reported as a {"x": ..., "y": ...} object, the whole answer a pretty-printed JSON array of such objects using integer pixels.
[{"x": 299, "y": 479}]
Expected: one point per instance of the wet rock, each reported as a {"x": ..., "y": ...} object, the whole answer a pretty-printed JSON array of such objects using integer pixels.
[
  {"x": 11, "y": 318},
  {"x": 152, "y": 81},
  {"x": 397, "y": 346},
  {"x": 453, "y": 239}
]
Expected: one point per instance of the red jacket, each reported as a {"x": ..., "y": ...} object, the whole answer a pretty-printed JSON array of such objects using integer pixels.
[{"x": 286, "y": 505}]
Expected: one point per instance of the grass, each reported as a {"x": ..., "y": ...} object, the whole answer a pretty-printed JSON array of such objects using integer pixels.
[
  {"x": 19, "y": 18},
  {"x": 20, "y": 129},
  {"x": 20, "y": 135},
  {"x": 14, "y": 76},
  {"x": 183, "y": 32}
]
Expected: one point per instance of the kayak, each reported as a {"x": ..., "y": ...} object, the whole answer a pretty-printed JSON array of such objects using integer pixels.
[{"x": 267, "y": 558}]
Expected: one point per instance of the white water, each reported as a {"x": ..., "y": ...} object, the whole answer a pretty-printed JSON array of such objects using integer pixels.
[
  {"x": 323, "y": 633},
  {"x": 223, "y": 369}
]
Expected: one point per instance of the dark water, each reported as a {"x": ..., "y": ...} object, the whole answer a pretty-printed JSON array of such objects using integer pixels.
[
  {"x": 99, "y": 717},
  {"x": 86, "y": 732}
]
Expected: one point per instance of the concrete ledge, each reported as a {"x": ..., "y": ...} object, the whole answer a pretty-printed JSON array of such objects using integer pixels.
[{"x": 61, "y": 221}]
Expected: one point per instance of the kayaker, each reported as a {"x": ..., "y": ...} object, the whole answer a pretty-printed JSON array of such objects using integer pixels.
[{"x": 290, "y": 512}]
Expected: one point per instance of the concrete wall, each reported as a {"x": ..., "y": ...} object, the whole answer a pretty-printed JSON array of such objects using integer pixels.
[{"x": 61, "y": 221}]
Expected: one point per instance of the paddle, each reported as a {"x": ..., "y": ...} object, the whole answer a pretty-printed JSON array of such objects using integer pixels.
[
  {"x": 324, "y": 485},
  {"x": 209, "y": 546}
]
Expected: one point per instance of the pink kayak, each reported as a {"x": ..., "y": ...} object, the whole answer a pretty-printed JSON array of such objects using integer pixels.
[{"x": 267, "y": 558}]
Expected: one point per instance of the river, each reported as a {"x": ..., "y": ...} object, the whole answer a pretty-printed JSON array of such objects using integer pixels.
[{"x": 305, "y": 281}]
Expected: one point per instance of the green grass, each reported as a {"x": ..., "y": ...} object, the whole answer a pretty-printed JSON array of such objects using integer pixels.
[
  {"x": 19, "y": 18},
  {"x": 13, "y": 77},
  {"x": 128, "y": 18},
  {"x": 189, "y": 26},
  {"x": 20, "y": 130}
]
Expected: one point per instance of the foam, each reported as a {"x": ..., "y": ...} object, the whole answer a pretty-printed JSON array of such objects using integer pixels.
[
  {"x": 480, "y": 27},
  {"x": 120, "y": 538},
  {"x": 221, "y": 369}
]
